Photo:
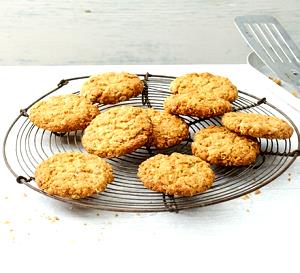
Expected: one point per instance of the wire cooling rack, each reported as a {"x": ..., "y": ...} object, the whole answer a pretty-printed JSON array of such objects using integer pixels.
[{"x": 25, "y": 146}]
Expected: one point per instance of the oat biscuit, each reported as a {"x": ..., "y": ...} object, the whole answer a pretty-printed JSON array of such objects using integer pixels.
[
  {"x": 196, "y": 105},
  {"x": 168, "y": 130},
  {"x": 257, "y": 125},
  {"x": 217, "y": 145},
  {"x": 63, "y": 113},
  {"x": 205, "y": 84},
  {"x": 112, "y": 87},
  {"x": 73, "y": 175},
  {"x": 176, "y": 174},
  {"x": 117, "y": 131}
]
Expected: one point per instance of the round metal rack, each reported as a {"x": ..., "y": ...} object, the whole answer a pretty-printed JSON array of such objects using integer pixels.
[{"x": 25, "y": 146}]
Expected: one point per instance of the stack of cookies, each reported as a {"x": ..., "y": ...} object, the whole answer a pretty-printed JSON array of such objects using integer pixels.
[{"x": 123, "y": 129}]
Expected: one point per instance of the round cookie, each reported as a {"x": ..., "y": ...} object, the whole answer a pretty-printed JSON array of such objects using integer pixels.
[
  {"x": 112, "y": 87},
  {"x": 196, "y": 105},
  {"x": 257, "y": 125},
  {"x": 205, "y": 84},
  {"x": 176, "y": 174},
  {"x": 117, "y": 131},
  {"x": 73, "y": 175},
  {"x": 217, "y": 145},
  {"x": 63, "y": 113},
  {"x": 168, "y": 130}
]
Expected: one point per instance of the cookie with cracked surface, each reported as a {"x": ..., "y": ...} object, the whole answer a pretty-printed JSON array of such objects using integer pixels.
[
  {"x": 257, "y": 125},
  {"x": 168, "y": 130},
  {"x": 176, "y": 174},
  {"x": 112, "y": 87},
  {"x": 73, "y": 175},
  {"x": 218, "y": 145},
  {"x": 205, "y": 84},
  {"x": 117, "y": 131},
  {"x": 196, "y": 105},
  {"x": 63, "y": 113}
]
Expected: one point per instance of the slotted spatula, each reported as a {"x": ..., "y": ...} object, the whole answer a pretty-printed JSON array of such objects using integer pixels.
[{"x": 266, "y": 36}]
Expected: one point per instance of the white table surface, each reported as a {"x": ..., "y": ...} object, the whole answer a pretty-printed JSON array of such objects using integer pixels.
[{"x": 259, "y": 234}]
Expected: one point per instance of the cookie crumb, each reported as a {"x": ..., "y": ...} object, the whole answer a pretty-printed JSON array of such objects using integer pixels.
[
  {"x": 247, "y": 210},
  {"x": 116, "y": 215},
  {"x": 6, "y": 222},
  {"x": 277, "y": 81},
  {"x": 87, "y": 11},
  {"x": 98, "y": 214},
  {"x": 257, "y": 191},
  {"x": 289, "y": 179},
  {"x": 24, "y": 194},
  {"x": 294, "y": 93},
  {"x": 53, "y": 219},
  {"x": 245, "y": 197},
  {"x": 85, "y": 224}
]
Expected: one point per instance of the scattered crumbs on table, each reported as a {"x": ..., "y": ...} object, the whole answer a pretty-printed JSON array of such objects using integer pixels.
[
  {"x": 138, "y": 214},
  {"x": 289, "y": 179},
  {"x": 277, "y": 81},
  {"x": 258, "y": 191},
  {"x": 87, "y": 11},
  {"x": 289, "y": 174},
  {"x": 245, "y": 197},
  {"x": 294, "y": 93},
  {"x": 28, "y": 233},
  {"x": 6, "y": 197},
  {"x": 116, "y": 215},
  {"x": 29, "y": 219},
  {"x": 98, "y": 214},
  {"x": 24, "y": 194},
  {"x": 85, "y": 224},
  {"x": 53, "y": 219},
  {"x": 109, "y": 222},
  {"x": 6, "y": 222},
  {"x": 247, "y": 210}
]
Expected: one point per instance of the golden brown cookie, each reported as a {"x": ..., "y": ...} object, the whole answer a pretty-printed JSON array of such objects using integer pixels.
[
  {"x": 217, "y": 145},
  {"x": 63, "y": 113},
  {"x": 176, "y": 174},
  {"x": 196, "y": 105},
  {"x": 168, "y": 130},
  {"x": 257, "y": 125},
  {"x": 112, "y": 87},
  {"x": 73, "y": 175},
  {"x": 205, "y": 84},
  {"x": 117, "y": 131}
]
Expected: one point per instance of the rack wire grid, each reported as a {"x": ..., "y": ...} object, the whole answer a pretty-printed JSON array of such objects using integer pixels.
[{"x": 25, "y": 146}]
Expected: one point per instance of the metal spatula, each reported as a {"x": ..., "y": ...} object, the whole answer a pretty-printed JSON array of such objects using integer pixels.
[{"x": 266, "y": 36}]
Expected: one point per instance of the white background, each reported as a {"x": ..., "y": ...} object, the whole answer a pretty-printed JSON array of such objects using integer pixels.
[{"x": 40, "y": 32}]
